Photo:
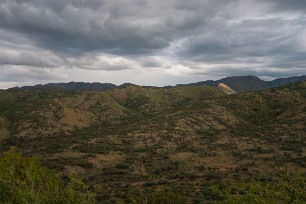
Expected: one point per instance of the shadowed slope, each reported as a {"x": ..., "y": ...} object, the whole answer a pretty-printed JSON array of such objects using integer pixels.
[{"x": 137, "y": 139}]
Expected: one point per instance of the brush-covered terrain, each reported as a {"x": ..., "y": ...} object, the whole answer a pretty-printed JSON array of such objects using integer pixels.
[{"x": 132, "y": 141}]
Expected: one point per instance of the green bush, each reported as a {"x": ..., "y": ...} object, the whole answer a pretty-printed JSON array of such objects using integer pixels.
[
  {"x": 160, "y": 197},
  {"x": 25, "y": 180},
  {"x": 289, "y": 188}
]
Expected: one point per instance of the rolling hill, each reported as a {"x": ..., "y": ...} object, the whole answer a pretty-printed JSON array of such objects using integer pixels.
[{"x": 132, "y": 140}]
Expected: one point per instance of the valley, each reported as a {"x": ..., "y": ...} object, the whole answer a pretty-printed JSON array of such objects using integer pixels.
[{"x": 138, "y": 140}]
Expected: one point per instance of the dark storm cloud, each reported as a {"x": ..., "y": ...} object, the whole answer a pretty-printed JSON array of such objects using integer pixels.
[
  {"x": 248, "y": 38},
  {"x": 287, "y": 5},
  {"x": 80, "y": 26},
  {"x": 211, "y": 37},
  {"x": 120, "y": 26}
]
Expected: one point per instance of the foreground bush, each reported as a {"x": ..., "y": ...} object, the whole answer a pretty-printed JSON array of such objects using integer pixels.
[
  {"x": 288, "y": 188},
  {"x": 25, "y": 180},
  {"x": 161, "y": 197}
]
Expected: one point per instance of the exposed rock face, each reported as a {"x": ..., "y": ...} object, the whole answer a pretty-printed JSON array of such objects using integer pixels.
[
  {"x": 226, "y": 88},
  {"x": 223, "y": 85}
]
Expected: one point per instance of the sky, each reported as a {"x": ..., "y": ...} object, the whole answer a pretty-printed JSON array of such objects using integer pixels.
[{"x": 146, "y": 42}]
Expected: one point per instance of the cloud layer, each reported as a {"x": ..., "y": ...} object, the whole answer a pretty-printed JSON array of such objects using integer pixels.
[{"x": 172, "y": 41}]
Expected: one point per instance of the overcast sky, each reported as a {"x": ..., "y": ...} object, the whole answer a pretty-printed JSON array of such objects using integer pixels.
[{"x": 149, "y": 42}]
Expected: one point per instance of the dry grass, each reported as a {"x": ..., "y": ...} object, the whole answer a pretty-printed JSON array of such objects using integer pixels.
[
  {"x": 106, "y": 160},
  {"x": 3, "y": 129},
  {"x": 75, "y": 118}
]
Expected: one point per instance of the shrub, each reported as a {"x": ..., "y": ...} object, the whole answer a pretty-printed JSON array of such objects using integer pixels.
[
  {"x": 289, "y": 188},
  {"x": 25, "y": 180},
  {"x": 159, "y": 197}
]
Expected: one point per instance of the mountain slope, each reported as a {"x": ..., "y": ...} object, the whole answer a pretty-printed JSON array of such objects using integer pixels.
[
  {"x": 138, "y": 139},
  {"x": 73, "y": 86},
  {"x": 249, "y": 83},
  {"x": 237, "y": 83},
  {"x": 285, "y": 81}
]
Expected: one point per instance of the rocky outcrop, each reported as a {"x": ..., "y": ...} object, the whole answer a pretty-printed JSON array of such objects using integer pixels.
[{"x": 226, "y": 88}]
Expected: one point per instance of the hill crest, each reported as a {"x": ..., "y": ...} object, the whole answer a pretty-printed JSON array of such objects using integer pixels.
[{"x": 236, "y": 83}]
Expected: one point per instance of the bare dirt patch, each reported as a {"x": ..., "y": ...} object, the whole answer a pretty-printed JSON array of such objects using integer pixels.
[
  {"x": 73, "y": 118},
  {"x": 105, "y": 160}
]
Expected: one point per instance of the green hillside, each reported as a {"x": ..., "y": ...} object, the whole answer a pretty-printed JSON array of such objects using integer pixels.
[{"x": 192, "y": 141}]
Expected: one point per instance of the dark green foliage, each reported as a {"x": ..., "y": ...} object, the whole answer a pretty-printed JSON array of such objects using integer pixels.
[
  {"x": 288, "y": 188},
  {"x": 24, "y": 180},
  {"x": 159, "y": 197}
]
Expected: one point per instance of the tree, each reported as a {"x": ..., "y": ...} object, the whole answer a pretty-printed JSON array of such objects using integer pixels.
[
  {"x": 25, "y": 180},
  {"x": 288, "y": 188}
]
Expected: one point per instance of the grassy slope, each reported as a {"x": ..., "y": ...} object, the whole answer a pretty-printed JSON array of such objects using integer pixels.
[{"x": 139, "y": 138}]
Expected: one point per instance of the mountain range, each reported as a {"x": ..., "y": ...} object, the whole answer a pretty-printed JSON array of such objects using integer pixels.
[
  {"x": 236, "y": 83},
  {"x": 249, "y": 83},
  {"x": 134, "y": 140}
]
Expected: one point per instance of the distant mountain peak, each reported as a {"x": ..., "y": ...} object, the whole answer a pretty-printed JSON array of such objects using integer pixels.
[
  {"x": 125, "y": 85},
  {"x": 234, "y": 83},
  {"x": 248, "y": 83}
]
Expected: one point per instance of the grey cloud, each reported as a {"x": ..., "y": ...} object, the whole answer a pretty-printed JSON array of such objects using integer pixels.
[
  {"x": 264, "y": 35},
  {"x": 28, "y": 59},
  {"x": 26, "y": 74},
  {"x": 287, "y": 5},
  {"x": 151, "y": 61},
  {"x": 257, "y": 71},
  {"x": 94, "y": 61},
  {"x": 76, "y": 28},
  {"x": 120, "y": 26},
  {"x": 272, "y": 42}
]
